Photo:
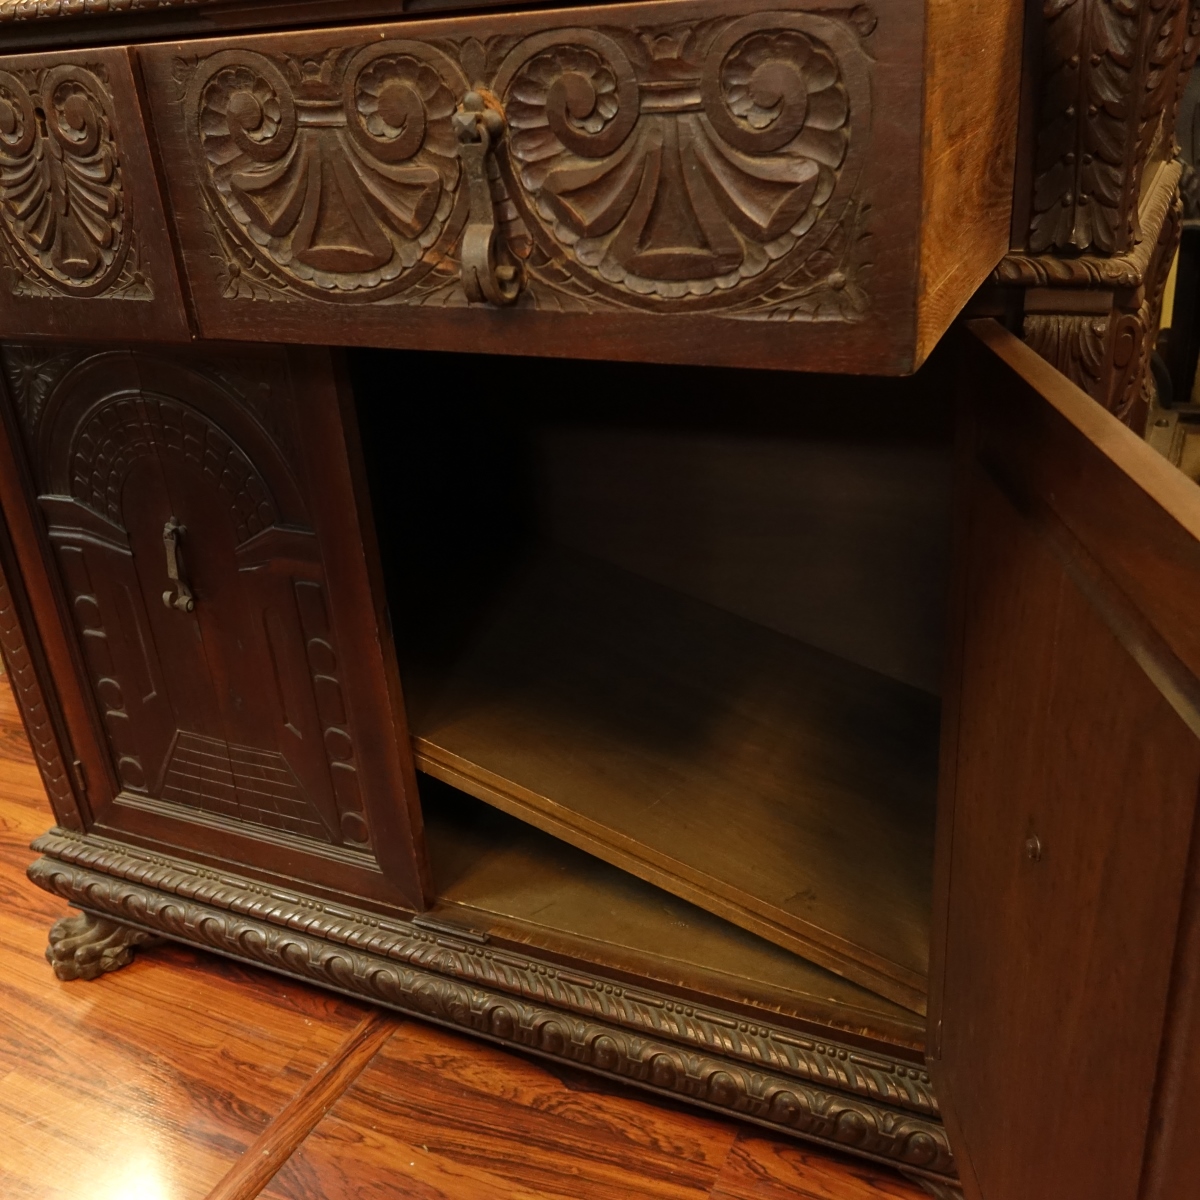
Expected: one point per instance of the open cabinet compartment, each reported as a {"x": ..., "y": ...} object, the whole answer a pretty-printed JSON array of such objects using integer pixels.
[{"x": 694, "y": 634}]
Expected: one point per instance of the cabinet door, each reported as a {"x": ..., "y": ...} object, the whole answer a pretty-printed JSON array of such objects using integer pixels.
[
  {"x": 1066, "y": 857},
  {"x": 201, "y": 519}
]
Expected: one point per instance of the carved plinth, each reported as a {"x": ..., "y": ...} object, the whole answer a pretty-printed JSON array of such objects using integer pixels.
[
  {"x": 83, "y": 946},
  {"x": 872, "y": 1104}
]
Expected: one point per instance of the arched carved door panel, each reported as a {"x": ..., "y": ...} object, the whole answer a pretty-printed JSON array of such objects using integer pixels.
[{"x": 181, "y": 504}]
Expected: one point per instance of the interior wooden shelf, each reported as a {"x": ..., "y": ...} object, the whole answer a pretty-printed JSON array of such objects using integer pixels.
[
  {"x": 780, "y": 787},
  {"x": 496, "y": 873}
]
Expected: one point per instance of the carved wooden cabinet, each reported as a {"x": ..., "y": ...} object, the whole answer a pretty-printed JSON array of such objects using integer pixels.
[{"x": 480, "y": 494}]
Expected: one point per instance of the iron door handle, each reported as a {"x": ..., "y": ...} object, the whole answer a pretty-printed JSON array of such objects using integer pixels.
[{"x": 181, "y": 598}]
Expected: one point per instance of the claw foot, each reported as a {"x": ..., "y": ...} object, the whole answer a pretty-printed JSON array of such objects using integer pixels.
[{"x": 85, "y": 947}]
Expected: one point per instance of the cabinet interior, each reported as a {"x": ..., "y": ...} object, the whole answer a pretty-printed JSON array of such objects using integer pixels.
[{"x": 687, "y": 622}]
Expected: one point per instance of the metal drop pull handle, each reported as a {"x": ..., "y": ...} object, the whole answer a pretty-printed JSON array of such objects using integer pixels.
[
  {"x": 486, "y": 275},
  {"x": 182, "y": 597}
]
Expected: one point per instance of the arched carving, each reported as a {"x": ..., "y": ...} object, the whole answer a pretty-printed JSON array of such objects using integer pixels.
[
  {"x": 260, "y": 621},
  {"x": 124, "y": 428}
]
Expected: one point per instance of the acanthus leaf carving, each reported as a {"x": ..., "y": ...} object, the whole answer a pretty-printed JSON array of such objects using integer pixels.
[
  {"x": 64, "y": 212},
  {"x": 1109, "y": 84},
  {"x": 1076, "y": 344}
]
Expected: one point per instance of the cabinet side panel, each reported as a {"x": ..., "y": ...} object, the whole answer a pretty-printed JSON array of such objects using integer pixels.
[
  {"x": 1173, "y": 1153},
  {"x": 26, "y": 675},
  {"x": 329, "y": 445},
  {"x": 972, "y": 97}
]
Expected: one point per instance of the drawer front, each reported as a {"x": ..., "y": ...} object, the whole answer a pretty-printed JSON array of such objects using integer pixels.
[
  {"x": 84, "y": 247},
  {"x": 689, "y": 181}
]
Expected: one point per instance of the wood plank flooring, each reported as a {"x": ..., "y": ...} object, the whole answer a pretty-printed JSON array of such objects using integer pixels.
[{"x": 187, "y": 1076}]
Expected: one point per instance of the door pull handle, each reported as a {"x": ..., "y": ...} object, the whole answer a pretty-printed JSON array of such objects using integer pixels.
[
  {"x": 182, "y": 597},
  {"x": 489, "y": 275}
]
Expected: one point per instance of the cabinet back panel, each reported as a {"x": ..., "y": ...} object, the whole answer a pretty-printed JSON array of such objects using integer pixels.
[
  {"x": 820, "y": 511},
  {"x": 837, "y": 545}
]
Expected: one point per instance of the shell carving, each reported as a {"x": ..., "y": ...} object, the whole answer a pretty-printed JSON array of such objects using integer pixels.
[{"x": 62, "y": 201}]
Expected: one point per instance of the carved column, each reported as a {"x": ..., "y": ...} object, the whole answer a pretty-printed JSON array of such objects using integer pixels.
[{"x": 1096, "y": 233}]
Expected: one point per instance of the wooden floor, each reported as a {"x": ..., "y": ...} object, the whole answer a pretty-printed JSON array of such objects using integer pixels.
[{"x": 186, "y": 1076}]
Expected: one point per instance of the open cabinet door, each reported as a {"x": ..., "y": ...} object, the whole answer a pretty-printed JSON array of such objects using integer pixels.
[{"x": 1066, "y": 860}]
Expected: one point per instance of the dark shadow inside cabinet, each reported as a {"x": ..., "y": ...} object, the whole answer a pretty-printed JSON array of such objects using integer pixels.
[{"x": 670, "y": 643}]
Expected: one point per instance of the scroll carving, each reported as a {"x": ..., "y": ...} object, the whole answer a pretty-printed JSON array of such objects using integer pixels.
[
  {"x": 696, "y": 175},
  {"x": 823, "y": 1063},
  {"x": 342, "y": 175},
  {"x": 832, "y": 1093},
  {"x": 64, "y": 214},
  {"x": 671, "y": 168}
]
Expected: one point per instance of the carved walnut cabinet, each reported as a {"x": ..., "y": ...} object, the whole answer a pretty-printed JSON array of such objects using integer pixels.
[{"x": 480, "y": 495}]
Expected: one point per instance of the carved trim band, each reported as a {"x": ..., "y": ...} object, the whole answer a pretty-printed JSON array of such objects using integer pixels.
[
  {"x": 12, "y": 11},
  {"x": 819, "y": 1090},
  {"x": 1089, "y": 270}
]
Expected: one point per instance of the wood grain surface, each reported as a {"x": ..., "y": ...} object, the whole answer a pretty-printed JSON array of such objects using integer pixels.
[
  {"x": 785, "y": 789},
  {"x": 271, "y": 1149},
  {"x": 498, "y": 873},
  {"x": 1074, "y": 711},
  {"x": 168, "y": 1079}
]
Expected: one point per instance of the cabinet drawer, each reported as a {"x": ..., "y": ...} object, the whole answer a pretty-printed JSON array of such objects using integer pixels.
[
  {"x": 684, "y": 180},
  {"x": 84, "y": 248}
]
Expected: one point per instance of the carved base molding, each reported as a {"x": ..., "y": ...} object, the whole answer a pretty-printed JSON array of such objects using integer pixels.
[{"x": 869, "y": 1104}]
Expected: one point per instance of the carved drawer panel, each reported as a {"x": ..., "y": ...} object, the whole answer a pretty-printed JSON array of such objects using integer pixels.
[
  {"x": 84, "y": 246},
  {"x": 683, "y": 180}
]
